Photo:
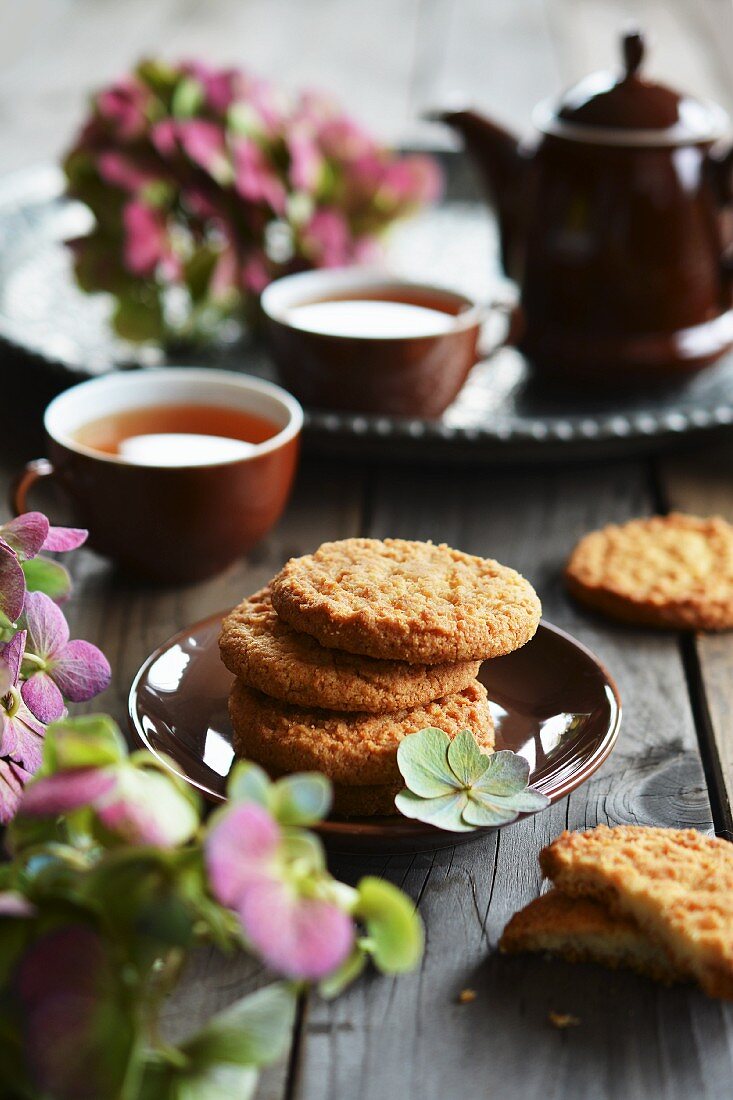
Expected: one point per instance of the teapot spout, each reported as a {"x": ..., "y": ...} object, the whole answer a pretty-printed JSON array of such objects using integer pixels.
[{"x": 503, "y": 169}]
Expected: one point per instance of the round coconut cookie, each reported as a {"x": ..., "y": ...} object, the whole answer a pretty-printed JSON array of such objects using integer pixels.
[
  {"x": 355, "y": 750},
  {"x": 672, "y": 571},
  {"x": 406, "y": 601},
  {"x": 267, "y": 654}
]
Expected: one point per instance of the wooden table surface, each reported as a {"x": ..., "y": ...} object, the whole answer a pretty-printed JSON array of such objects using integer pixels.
[{"x": 409, "y": 1038}]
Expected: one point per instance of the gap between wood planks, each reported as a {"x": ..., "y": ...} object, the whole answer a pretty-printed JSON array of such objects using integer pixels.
[{"x": 683, "y": 484}]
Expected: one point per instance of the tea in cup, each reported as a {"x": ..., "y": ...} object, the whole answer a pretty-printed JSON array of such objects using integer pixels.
[{"x": 175, "y": 472}]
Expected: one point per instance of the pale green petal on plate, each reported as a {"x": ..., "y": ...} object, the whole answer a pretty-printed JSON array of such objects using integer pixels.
[
  {"x": 506, "y": 774},
  {"x": 466, "y": 761},
  {"x": 423, "y": 762},
  {"x": 480, "y": 813},
  {"x": 444, "y": 812}
]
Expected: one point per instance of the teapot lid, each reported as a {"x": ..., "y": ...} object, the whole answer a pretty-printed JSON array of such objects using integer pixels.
[{"x": 629, "y": 110}]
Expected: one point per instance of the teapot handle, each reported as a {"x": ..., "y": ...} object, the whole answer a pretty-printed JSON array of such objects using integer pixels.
[{"x": 720, "y": 164}]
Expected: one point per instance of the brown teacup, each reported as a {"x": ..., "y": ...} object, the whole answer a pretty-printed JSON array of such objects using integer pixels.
[
  {"x": 178, "y": 522},
  {"x": 403, "y": 372}
]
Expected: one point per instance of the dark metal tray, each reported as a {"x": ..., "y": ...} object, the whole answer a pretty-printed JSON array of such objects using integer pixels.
[{"x": 501, "y": 415}]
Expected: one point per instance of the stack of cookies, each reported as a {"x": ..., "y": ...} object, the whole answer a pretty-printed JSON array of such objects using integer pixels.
[
  {"x": 659, "y": 901},
  {"x": 352, "y": 648}
]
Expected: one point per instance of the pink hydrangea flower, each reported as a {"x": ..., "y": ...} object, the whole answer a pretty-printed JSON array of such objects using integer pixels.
[
  {"x": 120, "y": 171},
  {"x": 30, "y": 533},
  {"x": 23, "y": 538},
  {"x": 344, "y": 139},
  {"x": 146, "y": 239},
  {"x": 306, "y": 161},
  {"x": 204, "y": 144},
  {"x": 59, "y": 668},
  {"x": 123, "y": 106},
  {"x": 218, "y": 84},
  {"x": 236, "y": 154},
  {"x": 140, "y": 805},
  {"x": 255, "y": 275},
  {"x": 255, "y": 178},
  {"x": 21, "y": 734},
  {"x": 164, "y": 136},
  {"x": 225, "y": 278},
  {"x": 297, "y": 934},
  {"x": 326, "y": 238},
  {"x": 202, "y": 141},
  {"x": 68, "y": 994},
  {"x": 12, "y": 584},
  {"x": 414, "y": 178}
]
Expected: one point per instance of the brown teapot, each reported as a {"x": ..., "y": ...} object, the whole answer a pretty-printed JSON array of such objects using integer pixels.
[{"x": 611, "y": 225}]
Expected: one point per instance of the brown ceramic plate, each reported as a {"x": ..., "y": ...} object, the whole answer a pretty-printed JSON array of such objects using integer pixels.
[{"x": 552, "y": 701}]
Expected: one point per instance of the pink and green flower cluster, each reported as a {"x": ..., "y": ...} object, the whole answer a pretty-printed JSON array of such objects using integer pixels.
[
  {"x": 41, "y": 669},
  {"x": 114, "y": 878},
  {"x": 213, "y": 182}
]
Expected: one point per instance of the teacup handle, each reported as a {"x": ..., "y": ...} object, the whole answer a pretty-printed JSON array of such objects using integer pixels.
[
  {"x": 31, "y": 473},
  {"x": 509, "y": 309}
]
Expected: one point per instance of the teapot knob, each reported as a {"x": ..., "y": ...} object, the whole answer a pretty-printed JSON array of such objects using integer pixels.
[{"x": 633, "y": 47}]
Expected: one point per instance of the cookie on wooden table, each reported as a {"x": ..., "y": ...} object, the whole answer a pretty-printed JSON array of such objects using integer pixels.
[
  {"x": 355, "y": 750},
  {"x": 406, "y": 601},
  {"x": 584, "y": 930},
  {"x": 672, "y": 571},
  {"x": 267, "y": 654},
  {"x": 676, "y": 884}
]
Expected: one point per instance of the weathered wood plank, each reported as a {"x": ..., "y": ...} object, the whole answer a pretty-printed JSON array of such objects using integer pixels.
[
  {"x": 701, "y": 483},
  {"x": 409, "y": 1037}
]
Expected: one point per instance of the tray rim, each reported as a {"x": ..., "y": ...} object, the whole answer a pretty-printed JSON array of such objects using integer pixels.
[{"x": 573, "y": 436}]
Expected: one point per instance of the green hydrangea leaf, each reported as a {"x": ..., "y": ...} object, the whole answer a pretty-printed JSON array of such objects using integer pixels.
[
  {"x": 160, "y": 77},
  {"x": 15, "y": 932},
  {"x": 254, "y": 1031},
  {"x": 306, "y": 848},
  {"x": 423, "y": 762},
  {"x": 243, "y": 120},
  {"x": 506, "y": 773},
  {"x": 530, "y": 801},
  {"x": 248, "y": 783},
  {"x": 141, "y": 898},
  {"x": 454, "y": 786},
  {"x": 44, "y": 575},
  {"x": 158, "y": 193},
  {"x": 444, "y": 812},
  {"x": 486, "y": 808},
  {"x": 173, "y": 804},
  {"x": 216, "y": 1083},
  {"x": 197, "y": 272},
  {"x": 481, "y": 812},
  {"x": 139, "y": 316},
  {"x": 300, "y": 799},
  {"x": 466, "y": 760},
  {"x": 85, "y": 741},
  {"x": 348, "y": 972},
  {"x": 187, "y": 97},
  {"x": 393, "y": 925}
]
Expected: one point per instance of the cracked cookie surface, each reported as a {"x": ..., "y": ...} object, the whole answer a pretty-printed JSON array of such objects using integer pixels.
[
  {"x": 351, "y": 749},
  {"x": 267, "y": 654},
  {"x": 406, "y": 601}
]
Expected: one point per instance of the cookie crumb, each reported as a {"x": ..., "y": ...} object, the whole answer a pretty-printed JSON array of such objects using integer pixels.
[
  {"x": 466, "y": 996},
  {"x": 562, "y": 1020}
]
